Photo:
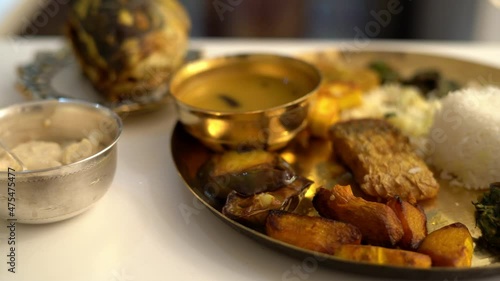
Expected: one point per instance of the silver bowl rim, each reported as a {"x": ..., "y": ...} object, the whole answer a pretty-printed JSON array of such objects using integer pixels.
[{"x": 105, "y": 110}]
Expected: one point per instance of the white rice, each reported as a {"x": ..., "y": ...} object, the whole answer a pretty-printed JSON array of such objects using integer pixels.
[{"x": 464, "y": 140}]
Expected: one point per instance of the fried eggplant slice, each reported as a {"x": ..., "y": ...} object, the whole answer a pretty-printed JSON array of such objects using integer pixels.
[
  {"x": 449, "y": 246},
  {"x": 412, "y": 219},
  {"x": 378, "y": 223},
  {"x": 382, "y": 160},
  {"x": 253, "y": 210},
  {"x": 247, "y": 173},
  {"x": 383, "y": 256},
  {"x": 312, "y": 233}
]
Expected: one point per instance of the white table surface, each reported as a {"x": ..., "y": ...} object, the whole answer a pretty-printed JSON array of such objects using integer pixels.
[{"x": 137, "y": 231}]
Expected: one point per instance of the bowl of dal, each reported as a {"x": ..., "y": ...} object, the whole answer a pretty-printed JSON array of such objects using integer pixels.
[{"x": 245, "y": 101}]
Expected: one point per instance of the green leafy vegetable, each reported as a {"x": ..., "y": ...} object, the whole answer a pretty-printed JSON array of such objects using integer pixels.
[
  {"x": 386, "y": 73},
  {"x": 488, "y": 216},
  {"x": 429, "y": 81}
]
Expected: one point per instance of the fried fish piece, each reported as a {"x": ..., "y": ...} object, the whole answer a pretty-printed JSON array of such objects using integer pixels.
[
  {"x": 378, "y": 223},
  {"x": 383, "y": 256},
  {"x": 312, "y": 233},
  {"x": 382, "y": 160}
]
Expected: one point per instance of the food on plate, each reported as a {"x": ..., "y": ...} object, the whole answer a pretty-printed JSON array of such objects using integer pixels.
[
  {"x": 247, "y": 173},
  {"x": 383, "y": 256},
  {"x": 403, "y": 106},
  {"x": 376, "y": 132},
  {"x": 378, "y": 223},
  {"x": 335, "y": 72},
  {"x": 312, "y": 233},
  {"x": 332, "y": 98},
  {"x": 37, "y": 154},
  {"x": 253, "y": 210},
  {"x": 324, "y": 112},
  {"x": 386, "y": 73},
  {"x": 128, "y": 49},
  {"x": 413, "y": 220},
  {"x": 449, "y": 246},
  {"x": 241, "y": 89},
  {"x": 465, "y": 137},
  {"x": 346, "y": 95},
  {"x": 488, "y": 217},
  {"x": 429, "y": 81},
  {"x": 382, "y": 160},
  {"x": 432, "y": 83}
]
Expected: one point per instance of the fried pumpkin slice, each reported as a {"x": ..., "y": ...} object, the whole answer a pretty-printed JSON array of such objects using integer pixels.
[
  {"x": 412, "y": 219},
  {"x": 449, "y": 246},
  {"x": 378, "y": 223},
  {"x": 312, "y": 233},
  {"x": 383, "y": 256}
]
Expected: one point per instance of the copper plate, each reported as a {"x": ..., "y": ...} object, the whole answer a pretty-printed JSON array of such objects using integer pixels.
[{"x": 312, "y": 158}]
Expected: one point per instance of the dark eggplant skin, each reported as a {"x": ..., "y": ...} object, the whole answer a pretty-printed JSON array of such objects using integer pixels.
[
  {"x": 253, "y": 210},
  {"x": 266, "y": 176}
]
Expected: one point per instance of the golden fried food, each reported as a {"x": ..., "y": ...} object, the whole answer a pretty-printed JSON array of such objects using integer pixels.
[
  {"x": 378, "y": 223},
  {"x": 382, "y": 160},
  {"x": 383, "y": 256},
  {"x": 253, "y": 210},
  {"x": 324, "y": 112},
  {"x": 412, "y": 219},
  {"x": 335, "y": 68},
  {"x": 332, "y": 98},
  {"x": 449, "y": 246},
  {"x": 248, "y": 173},
  {"x": 312, "y": 233}
]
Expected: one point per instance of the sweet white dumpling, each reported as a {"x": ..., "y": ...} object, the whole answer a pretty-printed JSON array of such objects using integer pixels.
[
  {"x": 78, "y": 151},
  {"x": 37, "y": 155}
]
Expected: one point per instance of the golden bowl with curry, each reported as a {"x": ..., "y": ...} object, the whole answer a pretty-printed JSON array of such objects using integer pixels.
[{"x": 245, "y": 101}]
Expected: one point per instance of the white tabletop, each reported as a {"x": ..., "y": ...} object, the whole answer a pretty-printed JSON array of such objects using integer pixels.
[{"x": 137, "y": 231}]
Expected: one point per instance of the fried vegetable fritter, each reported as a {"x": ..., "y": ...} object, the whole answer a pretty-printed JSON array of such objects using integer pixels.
[{"x": 382, "y": 160}]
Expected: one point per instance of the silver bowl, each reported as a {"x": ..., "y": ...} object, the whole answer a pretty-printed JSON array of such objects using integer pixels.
[{"x": 58, "y": 193}]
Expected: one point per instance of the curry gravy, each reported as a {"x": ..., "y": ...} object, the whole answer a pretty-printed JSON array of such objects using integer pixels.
[{"x": 240, "y": 91}]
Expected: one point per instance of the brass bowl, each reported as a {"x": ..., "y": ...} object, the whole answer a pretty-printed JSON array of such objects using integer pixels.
[{"x": 268, "y": 128}]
